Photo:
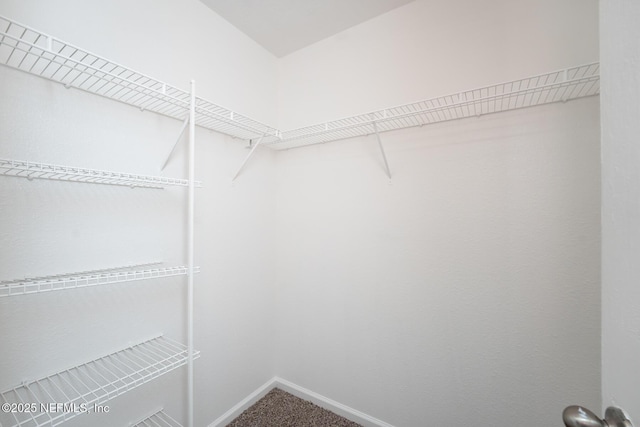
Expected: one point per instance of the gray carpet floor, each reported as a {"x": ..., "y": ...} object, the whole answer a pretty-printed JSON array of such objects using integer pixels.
[{"x": 281, "y": 409}]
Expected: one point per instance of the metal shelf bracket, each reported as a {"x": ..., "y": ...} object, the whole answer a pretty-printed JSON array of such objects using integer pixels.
[
  {"x": 182, "y": 129},
  {"x": 384, "y": 156},
  {"x": 253, "y": 148}
]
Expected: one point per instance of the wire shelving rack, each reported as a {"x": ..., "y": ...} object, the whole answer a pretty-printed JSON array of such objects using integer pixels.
[
  {"x": 79, "y": 389},
  {"x": 159, "y": 419},
  {"x": 34, "y": 170},
  {"x": 37, "y": 53},
  {"x": 557, "y": 86},
  {"x": 90, "y": 278}
]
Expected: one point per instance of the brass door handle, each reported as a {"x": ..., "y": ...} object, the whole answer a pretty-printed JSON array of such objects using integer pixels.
[{"x": 578, "y": 416}]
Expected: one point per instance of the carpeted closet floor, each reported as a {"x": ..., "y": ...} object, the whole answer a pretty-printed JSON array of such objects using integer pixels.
[{"x": 281, "y": 409}]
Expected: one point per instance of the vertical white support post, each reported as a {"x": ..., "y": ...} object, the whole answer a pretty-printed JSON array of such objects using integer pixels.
[{"x": 190, "y": 250}]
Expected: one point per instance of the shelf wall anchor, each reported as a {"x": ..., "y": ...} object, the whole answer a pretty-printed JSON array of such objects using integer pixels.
[
  {"x": 253, "y": 148},
  {"x": 384, "y": 156}
]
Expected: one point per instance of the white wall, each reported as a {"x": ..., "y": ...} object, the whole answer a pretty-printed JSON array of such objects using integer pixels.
[
  {"x": 48, "y": 227},
  {"x": 620, "y": 52},
  {"x": 467, "y": 291}
]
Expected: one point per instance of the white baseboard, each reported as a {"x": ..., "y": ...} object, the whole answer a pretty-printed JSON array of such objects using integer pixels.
[
  {"x": 303, "y": 393},
  {"x": 333, "y": 406},
  {"x": 245, "y": 403}
]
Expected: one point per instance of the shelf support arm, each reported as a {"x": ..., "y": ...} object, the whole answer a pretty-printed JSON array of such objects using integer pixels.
[
  {"x": 248, "y": 157},
  {"x": 182, "y": 129},
  {"x": 384, "y": 156}
]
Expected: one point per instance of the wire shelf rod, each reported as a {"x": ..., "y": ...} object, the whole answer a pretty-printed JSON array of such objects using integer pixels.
[
  {"x": 158, "y": 419},
  {"x": 86, "y": 272},
  {"x": 212, "y": 116},
  {"x": 33, "y": 170},
  {"x": 79, "y": 388},
  {"x": 37, "y": 53},
  {"x": 34, "y": 52},
  {"x": 73, "y": 50},
  {"x": 446, "y": 111},
  {"x": 86, "y": 76},
  {"x": 88, "y": 279},
  {"x": 556, "y": 86}
]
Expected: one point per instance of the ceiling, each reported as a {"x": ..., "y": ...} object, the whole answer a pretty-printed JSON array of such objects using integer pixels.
[{"x": 284, "y": 26}]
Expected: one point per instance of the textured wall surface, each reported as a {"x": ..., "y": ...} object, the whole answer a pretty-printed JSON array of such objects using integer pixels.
[
  {"x": 49, "y": 227},
  {"x": 620, "y": 47},
  {"x": 466, "y": 292}
]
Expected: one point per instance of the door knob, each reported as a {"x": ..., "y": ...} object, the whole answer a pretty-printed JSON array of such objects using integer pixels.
[{"x": 577, "y": 416}]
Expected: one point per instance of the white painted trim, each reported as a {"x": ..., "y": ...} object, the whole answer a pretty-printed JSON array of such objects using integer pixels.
[
  {"x": 245, "y": 403},
  {"x": 303, "y": 393},
  {"x": 326, "y": 403}
]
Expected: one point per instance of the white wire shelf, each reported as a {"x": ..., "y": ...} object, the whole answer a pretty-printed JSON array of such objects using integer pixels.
[
  {"x": 214, "y": 117},
  {"x": 34, "y": 52},
  {"x": 78, "y": 389},
  {"x": 37, "y": 53},
  {"x": 557, "y": 86},
  {"x": 89, "y": 278},
  {"x": 33, "y": 170},
  {"x": 159, "y": 419}
]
